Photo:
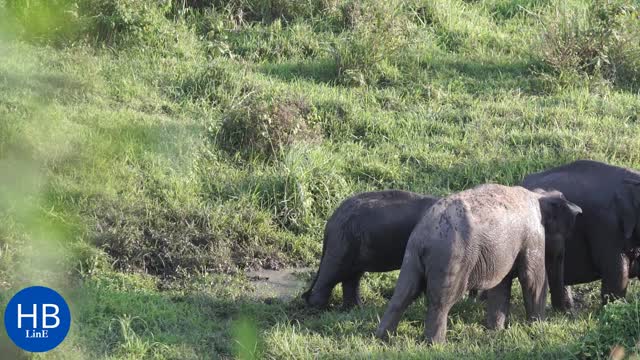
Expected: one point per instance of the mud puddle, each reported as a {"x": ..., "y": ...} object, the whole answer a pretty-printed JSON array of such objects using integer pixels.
[{"x": 283, "y": 284}]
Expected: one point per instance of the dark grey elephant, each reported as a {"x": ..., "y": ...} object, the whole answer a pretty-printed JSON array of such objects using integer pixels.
[
  {"x": 606, "y": 242},
  {"x": 367, "y": 232},
  {"x": 481, "y": 238}
]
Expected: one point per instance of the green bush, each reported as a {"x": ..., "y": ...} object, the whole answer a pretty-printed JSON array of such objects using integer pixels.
[
  {"x": 259, "y": 127},
  {"x": 603, "y": 43},
  {"x": 379, "y": 33}
]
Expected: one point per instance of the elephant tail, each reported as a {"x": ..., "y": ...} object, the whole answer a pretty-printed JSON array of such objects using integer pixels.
[{"x": 305, "y": 295}]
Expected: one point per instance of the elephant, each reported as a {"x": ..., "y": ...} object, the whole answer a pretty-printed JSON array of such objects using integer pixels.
[
  {"x": 606, "y": 241},
  {"x": 481, "y": 238},
  {"x": 367, "y": 232}
]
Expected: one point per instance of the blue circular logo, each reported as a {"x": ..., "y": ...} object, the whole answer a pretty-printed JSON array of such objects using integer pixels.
[{"x": 37, "y": 319}]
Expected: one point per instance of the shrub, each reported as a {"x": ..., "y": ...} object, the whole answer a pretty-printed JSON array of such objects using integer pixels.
[
  {"x": 379, "y": 32},
  {"x": 259, "y": 127},
  {"x": 604, "y": 43}
]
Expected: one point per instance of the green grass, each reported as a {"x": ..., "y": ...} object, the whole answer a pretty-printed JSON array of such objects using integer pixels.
[{"x": 150, "y": 154}]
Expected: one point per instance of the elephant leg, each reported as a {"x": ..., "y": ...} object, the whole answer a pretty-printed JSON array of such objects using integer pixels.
[
  {"x": 435, "y": 323},
  {"x": 351, "y": 291},
  {"x": 615, "y": 278},
  {"x": 566, "y": 299},
  {"x": 473, "y": 294},
  {"x": 444, "y": 289},
  {"x": 329, "y": 275},
  {"x": 410, "y": 284},
  {"x": 634, "y": 268},
  {"x": 498, "y": 304},
  {"x": 561, "y": 298},
  {"x": 533, "y": 281},
  {"x": 477, "y": 295}
]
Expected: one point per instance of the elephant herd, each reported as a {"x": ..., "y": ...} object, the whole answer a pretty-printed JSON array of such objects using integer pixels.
[{"x": 572, "y": 224}]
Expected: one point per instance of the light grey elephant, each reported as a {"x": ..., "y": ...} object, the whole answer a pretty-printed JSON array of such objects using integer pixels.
[{"x": 481, "y": 239}]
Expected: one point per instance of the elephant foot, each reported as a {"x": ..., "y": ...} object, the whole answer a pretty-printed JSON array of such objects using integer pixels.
[
  {"x": 351, "y": 305},
  {"x": 383, "y": 335},
  {"x": 566, "y": 307},
  {"x": 477, "y": 295}
]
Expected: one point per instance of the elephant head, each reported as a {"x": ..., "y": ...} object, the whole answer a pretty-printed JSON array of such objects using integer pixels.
[
  {"x": 558, "y": 219},
  {"x": 558, "y": 216}
]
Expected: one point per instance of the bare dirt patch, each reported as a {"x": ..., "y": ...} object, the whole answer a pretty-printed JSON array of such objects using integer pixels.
[{"x": 283, "y": 284}]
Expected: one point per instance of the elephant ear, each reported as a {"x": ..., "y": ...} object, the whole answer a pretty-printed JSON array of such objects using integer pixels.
[
  {"x": 573, "y": 208},
  {"x": 556, "y": 210},
  {"x": 627, "y": 199}
]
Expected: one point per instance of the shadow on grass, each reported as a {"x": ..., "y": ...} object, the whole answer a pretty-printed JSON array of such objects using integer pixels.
[
  {"x": 192, "y": 322},
  {"x": 553, "y": 352},
  {"x": 147, "y": 136},
  {"x": 321, "y": 71},
  {"x": 47, "y": 87},
  {"x": 480, "y": 77},
  {"x": 195, "y": 324},
  {"x": 474, "y": 76},
  {"x": 472, "y": 172}
]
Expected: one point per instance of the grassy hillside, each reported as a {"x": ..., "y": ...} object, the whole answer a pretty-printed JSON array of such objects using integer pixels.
[{"x": 153, "y": 151}]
